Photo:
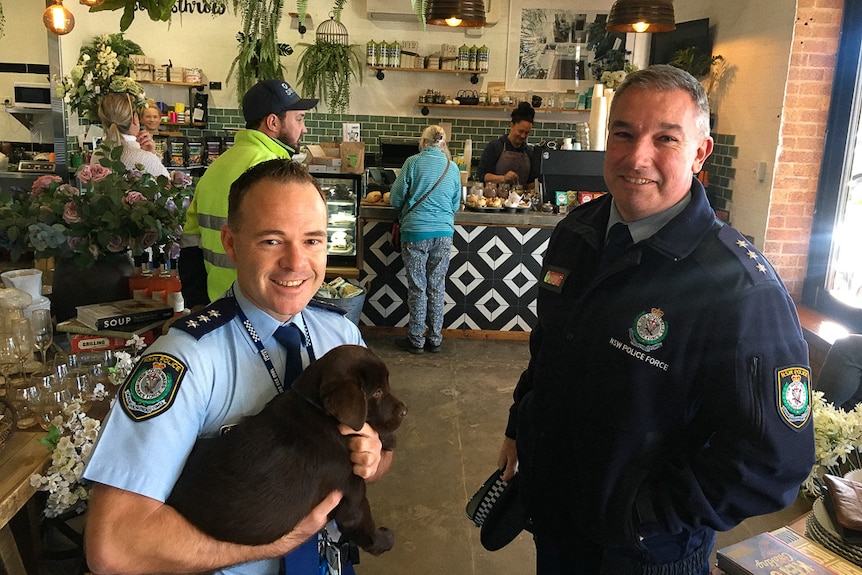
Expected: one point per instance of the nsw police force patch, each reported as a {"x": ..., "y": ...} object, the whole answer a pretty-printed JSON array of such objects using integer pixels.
[
  {"x": 794, "y": 395},
  {"x": 153, "y": 387}
]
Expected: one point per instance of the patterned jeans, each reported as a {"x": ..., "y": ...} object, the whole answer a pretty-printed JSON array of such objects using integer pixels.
[{"x": 426, "y": 263}]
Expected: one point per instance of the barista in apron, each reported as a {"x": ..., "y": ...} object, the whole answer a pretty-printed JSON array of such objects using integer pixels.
[{"x": 508, "y": 159}]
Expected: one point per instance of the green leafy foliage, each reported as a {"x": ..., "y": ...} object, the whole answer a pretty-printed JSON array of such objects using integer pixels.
[
  {"x": 325, "y": 70},
  {"x": 114, "y": 211},
  {"x": 258, "y": 54},
  {"x": 695, "y": 62}
]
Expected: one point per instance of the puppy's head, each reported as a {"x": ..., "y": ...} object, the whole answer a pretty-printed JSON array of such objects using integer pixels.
[{"x": 353, "y": 386}]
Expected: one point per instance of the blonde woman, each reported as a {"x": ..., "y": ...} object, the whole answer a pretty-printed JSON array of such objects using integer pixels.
[
  {"x": 151, "y": 117},
  {"x": 122, "y": 127},
  {"x": 426, "y": 193}
]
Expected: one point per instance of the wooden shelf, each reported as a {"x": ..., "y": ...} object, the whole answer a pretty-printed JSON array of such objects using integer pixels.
[
  {"x": 474, "y": 79},
  {"x": 424, "y": 107},
  {"x": 198, "y": 85}
]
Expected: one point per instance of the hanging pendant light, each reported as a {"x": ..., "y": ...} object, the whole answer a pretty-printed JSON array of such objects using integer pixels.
[
  {"x": 92, "y": 3},
  {"x": 58, "y": 19},
  {"x": 461, "y": 13},
  {"x": 641, "y": 16}
]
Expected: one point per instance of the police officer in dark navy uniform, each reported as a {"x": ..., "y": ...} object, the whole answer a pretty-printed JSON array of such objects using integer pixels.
[
  {"x": 210, "y": 370},
  {"x": 667, "y": 395}
]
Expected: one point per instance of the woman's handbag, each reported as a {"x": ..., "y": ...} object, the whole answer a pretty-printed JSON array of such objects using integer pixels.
[
  {"x": 395, "y": 232},
  {"x": 395, "y": 236}
]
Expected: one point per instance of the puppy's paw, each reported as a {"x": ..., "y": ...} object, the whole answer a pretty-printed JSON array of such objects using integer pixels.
[{"x": 383, "y": 541}]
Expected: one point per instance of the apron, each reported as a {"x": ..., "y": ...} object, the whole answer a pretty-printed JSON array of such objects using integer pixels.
[{"x": 518, "y": 162}]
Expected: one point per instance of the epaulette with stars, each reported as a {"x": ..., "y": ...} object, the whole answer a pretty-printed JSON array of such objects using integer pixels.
[
  {"x": 327, "y": 306},
  {"x": 210, "y": 318},
  {"x": 754, "y": 262}
]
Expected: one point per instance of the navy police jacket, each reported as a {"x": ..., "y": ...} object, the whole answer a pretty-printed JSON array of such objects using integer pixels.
[{"x": 668, "y": 394}]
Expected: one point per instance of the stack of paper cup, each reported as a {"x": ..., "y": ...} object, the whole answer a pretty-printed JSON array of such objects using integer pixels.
[{"x": 598, "y": 119}]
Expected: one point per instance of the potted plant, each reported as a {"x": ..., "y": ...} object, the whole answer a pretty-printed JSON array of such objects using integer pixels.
[
  {"x": 327, "y": 66},
  {"x": 92, "y": 230},
  {"x": 104, "y": 65}
]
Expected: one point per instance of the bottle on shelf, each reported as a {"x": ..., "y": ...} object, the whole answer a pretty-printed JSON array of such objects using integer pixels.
[
  {"x": 371, "y": 53},
  {"x": 139, "y": 282}
]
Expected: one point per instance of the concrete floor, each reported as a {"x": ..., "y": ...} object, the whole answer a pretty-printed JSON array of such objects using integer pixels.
[{"x": 447, "y": 447}]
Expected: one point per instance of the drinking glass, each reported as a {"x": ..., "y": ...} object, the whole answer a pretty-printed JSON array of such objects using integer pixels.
[
  {"x": 55, "y": 395},
  {"x": 23, "y": 334},
  {"x": 43, "y": 332},
  {"x": 8, "y": 360},
  {"x": 25, "y": 401}
]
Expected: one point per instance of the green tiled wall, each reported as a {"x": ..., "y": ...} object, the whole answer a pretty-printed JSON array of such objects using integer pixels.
[{"x": 721, "y": 170}]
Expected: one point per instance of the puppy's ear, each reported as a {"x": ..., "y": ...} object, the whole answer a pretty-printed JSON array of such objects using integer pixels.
[{"x": 342, "y": 398}]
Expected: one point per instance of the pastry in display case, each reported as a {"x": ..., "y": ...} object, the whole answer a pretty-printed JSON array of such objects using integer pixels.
[{"x": 342, "y": 193}]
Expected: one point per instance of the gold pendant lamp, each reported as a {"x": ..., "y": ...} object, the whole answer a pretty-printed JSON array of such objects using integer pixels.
[
  {"x": 641, "y": 16},
  {"x": 58, "y": 19},
  {"x": 462, "y": 13}
]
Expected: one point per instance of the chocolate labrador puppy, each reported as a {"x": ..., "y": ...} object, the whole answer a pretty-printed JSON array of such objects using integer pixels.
[{"x": 253, "y": 484}]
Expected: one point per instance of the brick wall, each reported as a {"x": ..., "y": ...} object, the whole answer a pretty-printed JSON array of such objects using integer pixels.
[{"x": 803, "y": 128}]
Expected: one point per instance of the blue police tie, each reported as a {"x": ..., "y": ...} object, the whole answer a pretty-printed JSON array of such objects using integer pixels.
[
  {"x": 290, "y": 339},
  {"x": 305, "y": 559},
  {"x": 619, "y": 239}
]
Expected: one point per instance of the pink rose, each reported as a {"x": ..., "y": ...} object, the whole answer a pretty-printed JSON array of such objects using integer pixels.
[
  {"x": 70, "y": 213},
  {"x": 42, "y": 183},
  {"x": 180, "y": 179},
  {"x": 148, "y": 239},
  {"x": 77, "y": 243},
  {"x": 93, "y": 173},
  {"x": 116, "y": 244},
  {"x": 133, "y": 197}
]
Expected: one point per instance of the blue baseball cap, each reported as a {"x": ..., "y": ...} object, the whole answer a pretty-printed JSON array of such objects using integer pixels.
[{"x": 272, "y": 97}]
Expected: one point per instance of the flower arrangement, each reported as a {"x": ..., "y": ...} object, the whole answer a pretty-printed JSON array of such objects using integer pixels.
[
  {"x": 837, "y": 442},
  {"x": 71, "y": 438},
  {"x": 114, "y": 211},
  {"x": 104, "y": 65},
  {"x": 613, "y": 79}
]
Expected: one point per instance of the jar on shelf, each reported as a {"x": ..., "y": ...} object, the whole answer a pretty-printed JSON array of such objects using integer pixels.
[
  {"x": 472, "y": 55},
  {"x": 371, "y": 53},
  {"x": 483, "y": 59},
  {"x": 463, "y": 57},
  {"x": 394, "y": 55}
]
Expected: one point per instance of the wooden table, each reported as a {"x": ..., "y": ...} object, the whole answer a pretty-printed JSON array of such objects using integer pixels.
[{"x": 19, "y": 459}]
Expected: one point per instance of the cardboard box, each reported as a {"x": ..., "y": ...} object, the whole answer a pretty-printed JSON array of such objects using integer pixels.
[
  {"x": 432, "y": 62},
  {"x": 329, "y": 156}
]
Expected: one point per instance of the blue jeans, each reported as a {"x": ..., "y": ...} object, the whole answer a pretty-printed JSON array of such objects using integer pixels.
[{"x": 426, "y": 263}]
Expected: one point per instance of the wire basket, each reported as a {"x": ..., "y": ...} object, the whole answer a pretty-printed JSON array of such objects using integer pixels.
[
  {"x": 7, "y": 423},
  {"x": 332, "y": 32}
]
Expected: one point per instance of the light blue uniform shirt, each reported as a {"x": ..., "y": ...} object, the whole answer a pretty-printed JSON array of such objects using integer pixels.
[{"x": 226, "y": 380}]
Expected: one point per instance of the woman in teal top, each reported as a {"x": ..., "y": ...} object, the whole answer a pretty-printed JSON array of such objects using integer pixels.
[{"x": 426, "y": 235}]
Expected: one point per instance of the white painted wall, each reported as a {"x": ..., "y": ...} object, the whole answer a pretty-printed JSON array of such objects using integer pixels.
[{"x": 755, "y": 39}]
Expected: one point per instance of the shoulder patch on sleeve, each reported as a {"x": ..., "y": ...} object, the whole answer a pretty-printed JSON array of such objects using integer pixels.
[
  {"x": 152, "y": 388},
  {"x": 212, "y": 317},
  {"x": 754, "y": 262},
  {"x": 327, "y": 306},
  {"x": 794, "y": 394}
]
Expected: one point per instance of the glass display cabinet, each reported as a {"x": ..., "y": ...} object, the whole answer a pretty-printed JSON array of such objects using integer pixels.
[{"x": 343, "y": 192}]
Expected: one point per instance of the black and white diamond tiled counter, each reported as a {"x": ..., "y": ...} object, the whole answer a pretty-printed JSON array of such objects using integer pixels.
[{"x": 496, "y": 259}]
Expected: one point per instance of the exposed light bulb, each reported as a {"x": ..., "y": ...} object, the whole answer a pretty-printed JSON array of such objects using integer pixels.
[
  {"x": 638, "y": 26},
  {"x": 58, "y": 19},
  {"x": 453, "y": 21},
  {"x": 92, "y": 3}
]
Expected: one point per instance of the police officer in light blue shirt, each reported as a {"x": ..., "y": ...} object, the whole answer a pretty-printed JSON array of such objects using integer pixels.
[{"x": 211, "y": 369}]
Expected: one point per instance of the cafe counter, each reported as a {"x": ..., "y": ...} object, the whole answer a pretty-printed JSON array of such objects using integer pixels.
[{"x": 492, "y": 279}]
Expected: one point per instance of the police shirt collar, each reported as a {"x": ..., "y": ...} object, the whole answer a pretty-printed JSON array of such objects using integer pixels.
[
  {"x": 264, "y": 324},
  {"x": 648, "y": 226}
]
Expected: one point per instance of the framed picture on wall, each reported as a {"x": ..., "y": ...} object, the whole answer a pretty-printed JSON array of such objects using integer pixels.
[{"x": 556, "y": 45}]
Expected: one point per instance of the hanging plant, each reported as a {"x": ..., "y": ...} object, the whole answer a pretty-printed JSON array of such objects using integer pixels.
[
  {"x": 259, "y": 53},
  {"x": 2, "y": 20},
  {"x": 326, "y": 67},
  {"x": 325, "y": 70}
]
